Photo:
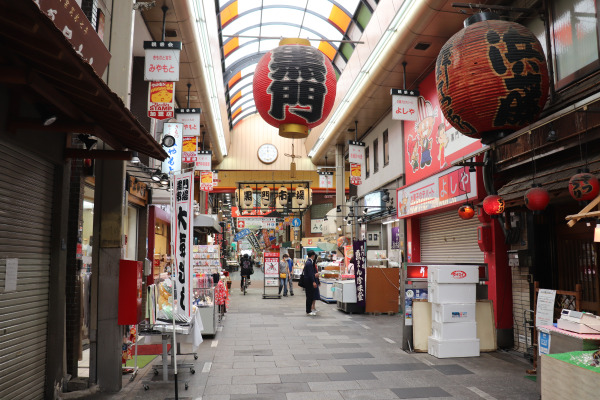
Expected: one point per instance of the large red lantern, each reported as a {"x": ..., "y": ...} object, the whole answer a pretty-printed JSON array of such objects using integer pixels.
[
  {"x": 466, "y": 211},
  {"x": 294, "y": 87},
  {"x": 537, "y": 198},
  {"x": 493, "y": 205},
  {"x": 491, "y": 77},
  {"x": 584, "y": 186}
]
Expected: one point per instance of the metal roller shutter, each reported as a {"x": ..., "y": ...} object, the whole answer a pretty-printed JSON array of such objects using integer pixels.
[
  {"x": 26, "y": 188},
  {"x": 445, "y": 238}
]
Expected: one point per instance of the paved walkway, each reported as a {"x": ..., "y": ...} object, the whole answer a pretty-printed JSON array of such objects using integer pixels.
[{"x": 270, "y": 349}]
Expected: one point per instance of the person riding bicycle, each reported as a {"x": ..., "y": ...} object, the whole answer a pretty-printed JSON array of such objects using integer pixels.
[{"x": 246, "y": 269}]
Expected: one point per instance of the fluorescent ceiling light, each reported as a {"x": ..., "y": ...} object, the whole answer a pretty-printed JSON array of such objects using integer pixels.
[{"x": 87, "y": 205}]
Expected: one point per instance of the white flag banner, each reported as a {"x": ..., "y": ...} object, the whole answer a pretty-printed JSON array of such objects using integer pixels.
[{"x": 182, "y": 224}]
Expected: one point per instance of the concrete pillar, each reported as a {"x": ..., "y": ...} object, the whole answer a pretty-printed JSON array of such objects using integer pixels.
[
  {"x": 340, "y": 183},
  {"x": 109, "y": 203}
]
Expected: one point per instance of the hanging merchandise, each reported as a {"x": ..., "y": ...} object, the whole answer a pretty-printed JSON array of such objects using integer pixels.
[
  {"x": 492, "y": 78},
  {"x": 584, "y": 186},
  {"x": 493, "y": 205},
  {"x": 282, "y": 199},
  {"x": 537, "y": 198},
  {"x": 466, "y": 211},
  {"x": 294, "y": 87}
]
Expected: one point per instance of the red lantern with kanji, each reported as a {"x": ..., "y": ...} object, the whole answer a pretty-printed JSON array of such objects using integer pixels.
[
  {"x": 492, "y": 78},
  {"x": 294, "y": 87},
  {"x": 493, "y": 205},
  {"x": 584, "y": 186},
  {"x": 466, "y": 211},
  {"x": 537, "y": 198}
]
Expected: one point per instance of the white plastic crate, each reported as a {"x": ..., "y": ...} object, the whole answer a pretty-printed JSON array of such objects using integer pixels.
[
  {"x": 452, "y": 293},
  {"x": 453, "y": 348},
  {"x": 454, "y": 331},
  {"x": 453, "y": 312},
  {"x": 453, "y": 273}
]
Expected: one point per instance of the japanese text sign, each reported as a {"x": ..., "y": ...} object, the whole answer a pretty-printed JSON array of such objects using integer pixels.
[
  {"x": 431, "y": 144},
  {"x": 206, "y": 181},
  {"x": 271, "y": 262},
  {"x": 182, "y": 222},
  {"x": 360, "y": 271},
  {"x": 449, "y": 187},
  {"x": 173, "y": 162},
  {"x": 190, "y": 118},
  {"x": 161, "y": 100},
  {"x": 203, "y": 160},
  {"x": 162, "y": 61},
  {"x": 355, "y": 174},
  {"x": 404, "y": 104},
  {"x": 190, "y": 147},
  {"x": 356, "y": 152},
  {"x": 326, "y": 180},
  {"x": 72, "y": 22},
  {"x": 241, "y": 234}
]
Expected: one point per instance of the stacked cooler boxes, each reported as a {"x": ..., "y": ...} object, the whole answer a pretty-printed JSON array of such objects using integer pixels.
[{"x": 452, "y": 294}]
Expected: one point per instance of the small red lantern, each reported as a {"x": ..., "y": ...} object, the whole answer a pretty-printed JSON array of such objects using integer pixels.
[
  {"x": 294, "y": 87},
  {"x": 492, "y": 78},
  {"x": 466, "y": 211},
  {"x": 537, "y": 198},
  {"x": 584, "y": 186},
  {"x": 493, "y": 205}
]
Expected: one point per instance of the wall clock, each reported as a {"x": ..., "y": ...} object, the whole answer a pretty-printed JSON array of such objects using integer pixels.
[{"x": 267, "y": 153}]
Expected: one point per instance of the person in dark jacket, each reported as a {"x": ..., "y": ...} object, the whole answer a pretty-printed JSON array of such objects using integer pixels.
[{"x": 310, "y": 282}]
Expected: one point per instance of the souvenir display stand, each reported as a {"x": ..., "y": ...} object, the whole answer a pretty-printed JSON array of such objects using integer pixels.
[
  {"x": 330, "y": 273},
  {"x": 206, "y": 265}
]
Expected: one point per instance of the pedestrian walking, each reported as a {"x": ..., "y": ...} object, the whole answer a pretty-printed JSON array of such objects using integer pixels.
[
  {"x": 290, "y": 272},
  {"x": 283, "y": 276},
  {"x": 310, "y": 283}
]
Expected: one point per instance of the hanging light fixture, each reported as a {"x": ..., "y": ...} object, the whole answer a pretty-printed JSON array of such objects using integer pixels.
[
  {"x": 584, "y": 186},
  {"x": 247, "y": 199},
  {"x": 493, "y": 205},
  {"x": 537, "y": 198},
  {"x": 164, "y": 179},
  {"x": 281, "y": 201},
  {"x": 265, "y": 198},
  {"x": 466, "y": 211}
]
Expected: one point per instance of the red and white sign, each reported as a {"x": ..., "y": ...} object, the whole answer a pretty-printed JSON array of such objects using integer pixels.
[
  {"x": 190, "y": 147},
  {"x": 326, "y": 181},
  {"x": 183, "y": 196},
  {"x": 452, "y": 186},
  {"x": 203, "y": 161},
  {"x": 206, "y": 181},
  {"x": 161, "y": 100},
  {"x": 271, "y": 263},
  {"x": 241, "y": 224},
  {"x": 458, "y": 274},
  {"x": 404, "y": 108},
  {"x": 190, "y": 118},
  {"x": 355, "y": 174},
  {"x": 431, "y": 144},
  {"x": 255, "y": 212},
  {"x": 356, "y": 152},
  {"x": 161, "y": 62}
]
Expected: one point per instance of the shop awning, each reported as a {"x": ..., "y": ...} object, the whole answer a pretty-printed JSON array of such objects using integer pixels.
[
  {"x": 554, "y": 180},
  {"x": 206, "y": 223},
  {"x": 37, "y": 57}
]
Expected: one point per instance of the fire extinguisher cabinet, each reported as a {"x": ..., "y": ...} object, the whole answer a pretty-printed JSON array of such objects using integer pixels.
[{"x": 130, "y": 292}]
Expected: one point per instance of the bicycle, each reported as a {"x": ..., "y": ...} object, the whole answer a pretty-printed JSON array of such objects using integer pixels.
[{"x": 245, "y": 283}]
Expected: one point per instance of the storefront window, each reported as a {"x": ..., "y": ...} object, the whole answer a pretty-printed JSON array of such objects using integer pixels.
[
  {"x": 375, "y": 155},
  {"x": 386, "y": 149}
]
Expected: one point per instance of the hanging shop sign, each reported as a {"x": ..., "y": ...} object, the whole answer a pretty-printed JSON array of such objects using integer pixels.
[
  {"x": 356, "y": 152},
  {"x": 182, "y": 222},
  {"x": 294, "y": 87},
  {"x": 326, "y": 180},
  {"x": 355, "y": 174},
  {"x": 206, "y": 181},
  {"x": 190, "y": 118},
  {"x": 250, "y": 212},
  {"x": 441, "y": 190},
  {"x": 72, "y": 22},
  {"x": 257, "y": 223},
  {"x": 161, "y": 100},
  {"x": 190, "y": 148},
  {"x": 161, "y": 61},
  {"x": 138, "y": 191},
  {"x": 396, "y": 238},
  {"x": 203, "y": 160},
  {"x": 216, "y": 179},
  {"x": 431, "y": 143},
  {"x": 173, "y": 162},
  {"x": 360, "y": 271},
  {"x": 404, "y": 104},
  {"x": 316, "y": 225},
  {"x": 241, "y": 234}
]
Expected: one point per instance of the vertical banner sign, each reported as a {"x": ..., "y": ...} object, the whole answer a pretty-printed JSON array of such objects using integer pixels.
[
  {"x": 326, "y": 179},
  {"x": 161, "y": 100},
  {"x": 190, "y": 148},
  {"x": 396, "y": 238},
  {"x": 360, "y": 271},
  {"x": 404, "y": 104},
  {"x": 215, "y": 176},
  {"x": 173, "y": 163},
  {"x": 355, "y": 174},
  {"x": 203, "y": 160},
  {"x": 206, "y": 181},
  {"x": 182, "y": 222},
  {"x": 347, "y": 257},
  {"x": 161, "y": 61}
]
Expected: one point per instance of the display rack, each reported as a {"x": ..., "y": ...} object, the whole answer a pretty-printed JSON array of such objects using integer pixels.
[
  {"x": 330, "y": 273},
  {"x": 205, "y": 263}
]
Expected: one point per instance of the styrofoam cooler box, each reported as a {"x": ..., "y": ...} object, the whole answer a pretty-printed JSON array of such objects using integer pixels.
[
  {"x": 453, "y": 312},
  {"x": 453, "y": 348},
  {"x": 454, "y": 331},
  {"x": 451, "y": 292},
  {"x": 453, "y": 273}
]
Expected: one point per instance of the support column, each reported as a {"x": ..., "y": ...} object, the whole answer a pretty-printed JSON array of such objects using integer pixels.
[
  {"x": 109, "y": 205},
  {"x": 340, "y": 183}
]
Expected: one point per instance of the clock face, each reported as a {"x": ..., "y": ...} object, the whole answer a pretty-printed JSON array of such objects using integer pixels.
[{"x": 267, "y": 153}]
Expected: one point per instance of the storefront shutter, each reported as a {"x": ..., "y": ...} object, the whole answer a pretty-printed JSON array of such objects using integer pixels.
[
  {"x": 26, "y": 188},
  {"x": 445, "y": 238}
]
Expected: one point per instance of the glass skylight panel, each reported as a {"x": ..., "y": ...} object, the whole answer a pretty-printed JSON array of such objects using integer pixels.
[
  {"x": 322, "y": 26},
  {"x": 321, "y": 7},
  {"x": 242, "y": 22},
  {"x": 294, "y": 3},
  {"x": 243, "y": 115},
  {"x": 241, "y": 53},
  {"x": 243, "y": 82},
  {"x": 268, "y": 44},
  {"x": 282, "y": 14}
]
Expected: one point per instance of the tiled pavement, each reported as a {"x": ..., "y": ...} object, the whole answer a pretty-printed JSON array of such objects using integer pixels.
[{"x": 268, "y": 349}]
